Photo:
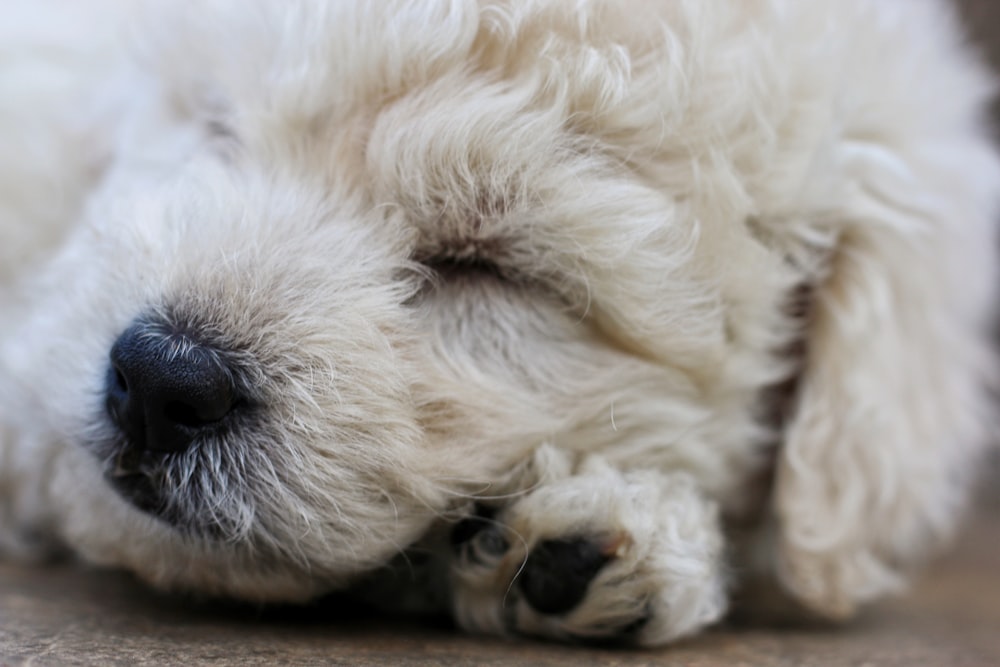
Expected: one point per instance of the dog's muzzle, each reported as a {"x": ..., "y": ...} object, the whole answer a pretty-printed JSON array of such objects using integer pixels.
[{"x": 167, "y": 393}]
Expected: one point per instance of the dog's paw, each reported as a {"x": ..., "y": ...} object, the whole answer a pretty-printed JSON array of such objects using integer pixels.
[{"x": 602, "y": 555}]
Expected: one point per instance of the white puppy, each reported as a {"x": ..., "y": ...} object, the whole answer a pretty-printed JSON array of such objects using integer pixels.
[{"x": 589, "y": 290}]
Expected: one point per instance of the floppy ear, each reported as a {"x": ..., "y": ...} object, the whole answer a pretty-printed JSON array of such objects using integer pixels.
[{"x": 892, "y": 408}]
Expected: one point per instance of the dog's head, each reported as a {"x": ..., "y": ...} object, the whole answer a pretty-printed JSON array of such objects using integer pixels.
[{"x": 348, "y": 267}]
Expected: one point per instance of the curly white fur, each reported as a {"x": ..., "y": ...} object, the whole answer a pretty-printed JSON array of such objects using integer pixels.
[{"x": 649, "y": 184}]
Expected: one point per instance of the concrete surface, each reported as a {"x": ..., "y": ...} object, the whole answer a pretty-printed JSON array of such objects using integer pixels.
[
  {"x": 66, "y": 615},
  {"x": 63, "y": 615}
]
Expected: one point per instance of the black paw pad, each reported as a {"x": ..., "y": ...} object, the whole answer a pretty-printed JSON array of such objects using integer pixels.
[{"x": 557, "y": 573}]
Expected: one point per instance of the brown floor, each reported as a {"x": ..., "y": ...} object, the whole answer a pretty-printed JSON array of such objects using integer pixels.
[{"x": 63, "y": 615}]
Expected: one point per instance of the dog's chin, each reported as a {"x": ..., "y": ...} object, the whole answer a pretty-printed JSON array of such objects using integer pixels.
[
  {"x": 138, "y": 478},
  {"x": 209, "y": 560},
  {"x": 141, "y": 492}
]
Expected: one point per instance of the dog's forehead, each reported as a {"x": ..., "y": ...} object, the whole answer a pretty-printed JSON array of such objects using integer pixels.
[{"x": 346, "y": 61}]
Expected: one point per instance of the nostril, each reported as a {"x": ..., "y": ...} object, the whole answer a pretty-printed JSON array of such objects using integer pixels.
[
  {"x": 185, "y": 415},
  {"x": 195, "y": 416},
  {"x": 120, "y": 382},
  {"x": 117, "y": 397}
]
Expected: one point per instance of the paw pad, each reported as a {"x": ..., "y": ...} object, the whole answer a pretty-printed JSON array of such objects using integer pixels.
[{"x": 557, "y": 573}]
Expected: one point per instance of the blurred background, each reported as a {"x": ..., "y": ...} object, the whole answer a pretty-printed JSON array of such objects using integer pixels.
[
  {"x": 984, "y": 23},
  {"x": 983, "y": 20}
]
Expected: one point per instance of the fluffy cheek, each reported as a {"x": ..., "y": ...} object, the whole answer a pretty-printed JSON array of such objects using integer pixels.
[{"x": 509, "y": 366}]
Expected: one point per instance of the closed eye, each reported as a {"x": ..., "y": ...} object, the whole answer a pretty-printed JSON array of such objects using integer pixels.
[
  {"x": 451, "y": 268},
  {"x": 469, "y": 259}
]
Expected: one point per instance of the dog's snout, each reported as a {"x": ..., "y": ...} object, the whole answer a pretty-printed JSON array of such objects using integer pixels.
[{"x": 164, "y": 390}]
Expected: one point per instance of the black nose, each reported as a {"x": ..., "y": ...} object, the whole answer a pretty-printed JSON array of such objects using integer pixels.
[{"x": 164, "y": 388}]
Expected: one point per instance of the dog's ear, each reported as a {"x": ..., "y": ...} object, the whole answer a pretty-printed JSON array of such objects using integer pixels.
[{"x": 892, "y": 408}]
